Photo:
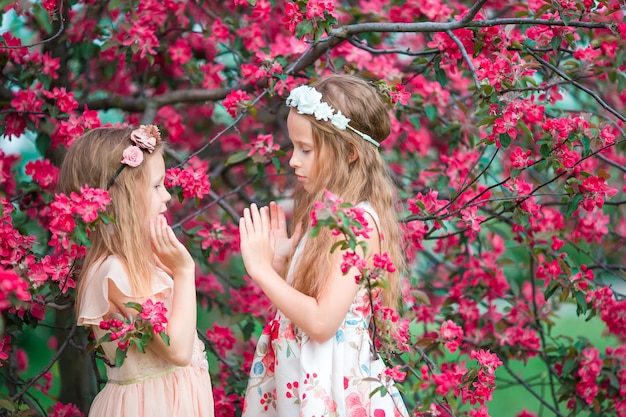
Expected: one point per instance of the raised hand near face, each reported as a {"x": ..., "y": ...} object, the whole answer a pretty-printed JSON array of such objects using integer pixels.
[{"x": 170, "y": 252}]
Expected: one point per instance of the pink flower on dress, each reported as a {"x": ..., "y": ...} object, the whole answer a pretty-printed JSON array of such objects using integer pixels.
[
  {"x": 146, "y": 137},
  {"x": 132, "y": 156}
]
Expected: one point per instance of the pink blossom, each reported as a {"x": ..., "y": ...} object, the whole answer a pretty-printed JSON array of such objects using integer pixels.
[
  {"x": 384, "y": 262},
  {"x": 452, "y": 334},
  {"x": 43, "y": 173},
  {"x": 519, "y": 158},
  {"x": 193, "y": 181},
  {"x": 292, "y": 16},
  {"x": 263, "y": 145},
  {"x": 472, "y": 221},
  {"x": 222, "y": 338},
  {"x": 234, "y": 100},
  {"x": 395, "y": 373},
  {"x": 155, "y": 313},
  {"x": 65, "y": 101},
  {"x": 65, "y": 410},
  {"x": 50, "y": 66},
  {"x": 180, "y": 52},
  {"x": 12, "y": 285}
]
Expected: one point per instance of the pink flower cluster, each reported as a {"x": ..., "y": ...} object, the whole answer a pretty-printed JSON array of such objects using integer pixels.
[
  {"x": 43, "y": 172},
  {"x": 263, "y": 146},
  {"x": 65, "y": 410},
  {"x": 12, "y": 285},
  {"x": 235, "y": 100},
  {"x": 151, "y": 320},
  {"x": 589, "y": 370},
  {"x": 451, "y": 334},
  {"x": 193, "y": 181},
  {"x": 155, "y": 314},
  {"x": 13, "y": 245},
  {"x": 222, "y": 338},
  {"x": 395, "y": 373},
  {"x": 87, "y": 205}
]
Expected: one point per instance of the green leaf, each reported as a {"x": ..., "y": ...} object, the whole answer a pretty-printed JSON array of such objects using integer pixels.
[
  {"x": 276, "y": 163},
  {"x": 581, "y": 302},
  {"x": 105, "y": 338},
  {"x": 544, "y": 150},
  {"x": 540, "y": 13},
  {"x": 440, "y": 76},
  {"x": 573, "y": 205},
  {"x": 80, "y": 234},
  {"x": 525, "y": 128},
  {"x": 415, "y": 121},
  {"x": 556, "y": 43},
  {"x": 42, "y": 143},
  {"x": 134, "y": 305},
  {"x": 487, "y": 120},
  {"x": 7, "y": 405},
  {"x": 554, "y": 285},
  {"x": 303, "y": 28},
  {"x": 120, "y": 355},
  {"x": 139, "y": 344},
  {"x": 236, "y": 158},
  {"x": 431, "y": 112},
  {"x": 166, "y": 338},
  {"x": 505, "y": 140}
]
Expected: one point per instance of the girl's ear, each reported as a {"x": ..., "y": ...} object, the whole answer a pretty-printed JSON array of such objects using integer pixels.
[{"x": 353, "y": 154}]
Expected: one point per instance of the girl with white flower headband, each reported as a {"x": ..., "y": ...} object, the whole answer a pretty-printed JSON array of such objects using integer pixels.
[
  {"x": 136, "y": 258},
  {"x": 315, "y": 357}
]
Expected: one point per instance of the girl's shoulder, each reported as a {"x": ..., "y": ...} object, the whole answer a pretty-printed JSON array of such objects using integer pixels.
[
  {"x": 115, "y": 269},
  {"x": 107, "y": 268},
  {"x": 369, "y": 209}
]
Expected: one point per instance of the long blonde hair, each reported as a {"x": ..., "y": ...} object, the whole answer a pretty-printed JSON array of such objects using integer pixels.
[
  {"x": 93, "y": 160},
  {"x": 366, "y": 178}
]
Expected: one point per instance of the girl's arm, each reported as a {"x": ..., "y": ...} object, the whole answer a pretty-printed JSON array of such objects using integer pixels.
[
  {"x": 318, "y": 317},
  {"x": 181, "y": 326}
]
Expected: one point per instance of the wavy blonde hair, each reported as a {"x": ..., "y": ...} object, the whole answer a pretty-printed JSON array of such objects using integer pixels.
[
  {"x": 93, "y": 160},
  {"x": 366, "y": 178}
]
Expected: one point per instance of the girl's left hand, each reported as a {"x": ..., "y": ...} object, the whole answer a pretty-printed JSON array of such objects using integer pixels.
[{"x": 256, "y": 248}]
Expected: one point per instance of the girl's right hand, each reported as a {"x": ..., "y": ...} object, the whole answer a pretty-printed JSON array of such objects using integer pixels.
[{"x": 170, "y": 252}]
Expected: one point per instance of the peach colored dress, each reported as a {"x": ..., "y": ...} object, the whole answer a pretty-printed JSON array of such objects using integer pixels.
[{"x": 145, "y": 385}]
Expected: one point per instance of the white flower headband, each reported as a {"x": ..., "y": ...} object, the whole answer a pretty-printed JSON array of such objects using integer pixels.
[
  {"x": 144, "y": 138},
  {"x": 307, "y": 100}
]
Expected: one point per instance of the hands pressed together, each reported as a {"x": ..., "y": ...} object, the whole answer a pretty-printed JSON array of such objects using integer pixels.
[{"x": 265, "y": 243}]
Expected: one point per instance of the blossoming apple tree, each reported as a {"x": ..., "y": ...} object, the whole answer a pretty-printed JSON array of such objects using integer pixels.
[{"x": 507, "y": 148}]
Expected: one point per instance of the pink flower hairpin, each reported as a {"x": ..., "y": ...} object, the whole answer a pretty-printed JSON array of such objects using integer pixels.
[{"x": 144, "y": 138}]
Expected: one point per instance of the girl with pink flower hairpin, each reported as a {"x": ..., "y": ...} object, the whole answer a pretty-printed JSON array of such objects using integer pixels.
[
  {"x": 138, "y": 259},
  {"x": 317, "y": 356}
]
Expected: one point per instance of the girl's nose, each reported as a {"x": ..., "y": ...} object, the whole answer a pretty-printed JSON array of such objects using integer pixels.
[
  {"x": 293, "y": 161},
  {"x": 168, "y": 196}
]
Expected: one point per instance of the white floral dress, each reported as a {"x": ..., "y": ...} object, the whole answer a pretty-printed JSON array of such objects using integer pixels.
[{"x": 292, "y": 375}]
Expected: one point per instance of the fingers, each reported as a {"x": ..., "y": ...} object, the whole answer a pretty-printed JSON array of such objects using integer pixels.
[
  {"x": 256, "y": 218},
  {"x": 162, "y": 235},
  {"x": 275, "y": 216}
]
